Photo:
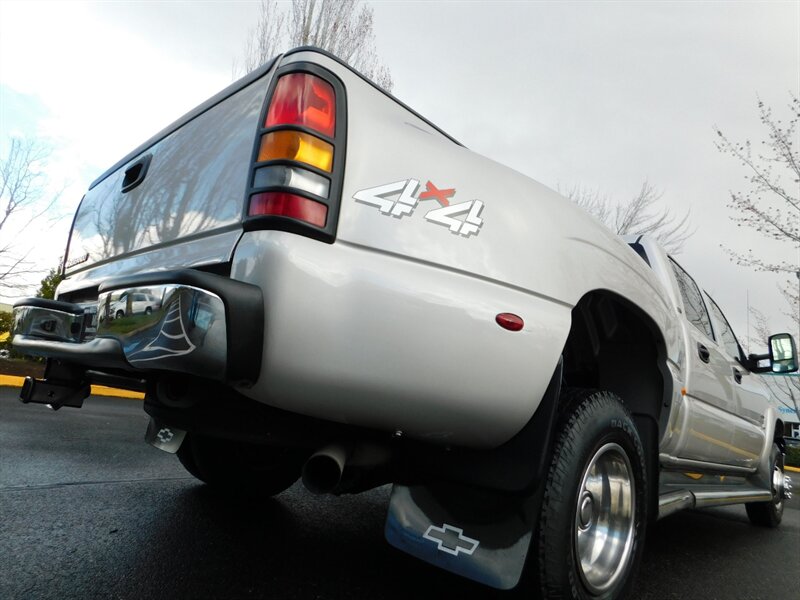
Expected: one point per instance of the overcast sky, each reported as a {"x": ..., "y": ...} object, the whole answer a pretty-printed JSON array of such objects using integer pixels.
[{"x": 599, "y": 94}]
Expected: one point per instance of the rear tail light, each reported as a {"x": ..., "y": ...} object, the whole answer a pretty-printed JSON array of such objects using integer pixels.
[
  {"x": 305, "y": 100},
  {"x": 283, "y": 204},
  {"x": 296, "y": 179}
]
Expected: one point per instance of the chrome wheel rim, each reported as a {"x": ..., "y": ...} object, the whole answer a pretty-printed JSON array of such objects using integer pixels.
[
  {"x": 778, "y": 480},
  {"x": 604, "y": 518}
]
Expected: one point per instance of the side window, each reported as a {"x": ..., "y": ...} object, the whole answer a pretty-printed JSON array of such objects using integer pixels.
[
  {"x": 726, "y": 336},
  {"x": 692, "y": 300}
]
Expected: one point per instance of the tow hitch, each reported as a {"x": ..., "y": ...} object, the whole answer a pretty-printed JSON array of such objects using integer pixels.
[
  {"x": 62, "y": 385},
  {"x": 54, "y": 394}
]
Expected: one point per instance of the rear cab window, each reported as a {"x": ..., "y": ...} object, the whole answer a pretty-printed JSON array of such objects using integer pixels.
[
  {"x": 726, "y": 338},
  {"x": 695, "y": 308}
]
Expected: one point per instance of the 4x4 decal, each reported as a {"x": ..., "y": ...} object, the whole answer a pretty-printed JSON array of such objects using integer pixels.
[{"x": 400, "y": 198}]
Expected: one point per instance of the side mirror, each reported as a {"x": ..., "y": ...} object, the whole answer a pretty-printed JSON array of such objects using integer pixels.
[{"x": 782, "y": 353}]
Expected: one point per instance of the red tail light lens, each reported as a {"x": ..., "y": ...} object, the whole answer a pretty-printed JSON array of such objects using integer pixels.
[
  {"x": 303, "y": 99},
  {"x": 284, "y": 204}
]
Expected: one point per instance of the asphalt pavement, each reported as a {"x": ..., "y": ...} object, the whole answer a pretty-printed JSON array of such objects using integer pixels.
[{"x": 88, "y": 510}]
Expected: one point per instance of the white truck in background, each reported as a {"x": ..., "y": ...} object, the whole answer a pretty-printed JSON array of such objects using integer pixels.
[{"x": 350, "y": 296}]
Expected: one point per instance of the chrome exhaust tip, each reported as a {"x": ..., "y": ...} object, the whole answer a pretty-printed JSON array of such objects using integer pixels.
[{"x": 322, "y": 472}]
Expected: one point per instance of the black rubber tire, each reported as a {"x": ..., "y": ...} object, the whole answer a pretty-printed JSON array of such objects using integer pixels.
[
  {"x": 148, "y": 311},
  {"x": 592, "y": 420},
  {"x": 768, "y": 514},
  {"x": 119, "y": 314},
  {"x": 240, "y": 469}
]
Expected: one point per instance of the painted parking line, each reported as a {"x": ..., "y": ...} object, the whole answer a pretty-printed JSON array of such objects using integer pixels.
[{"x": 97, "y": 390}]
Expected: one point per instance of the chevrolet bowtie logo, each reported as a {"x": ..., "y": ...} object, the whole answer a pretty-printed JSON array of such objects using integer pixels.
[{"x": 451, "y": 539}]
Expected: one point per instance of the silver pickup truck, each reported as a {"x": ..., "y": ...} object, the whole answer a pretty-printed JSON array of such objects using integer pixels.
[{"x": 341, "y": 292}]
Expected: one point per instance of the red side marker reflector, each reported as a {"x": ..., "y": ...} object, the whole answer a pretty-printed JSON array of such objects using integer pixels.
[
  {"x": 510, "y": 321},
  {"x": 283, "y": 204},
  {"x": 303, "y": 99}
]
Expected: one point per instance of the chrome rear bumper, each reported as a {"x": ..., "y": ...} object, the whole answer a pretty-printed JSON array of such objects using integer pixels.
[
  {"x": 50, "y": 320},
  {"x": 186, "y": 333},
  {"x": 200, "y": 324}
]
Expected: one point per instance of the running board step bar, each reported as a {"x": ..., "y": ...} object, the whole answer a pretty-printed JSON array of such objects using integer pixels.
[{"x": 672, "y": 502}]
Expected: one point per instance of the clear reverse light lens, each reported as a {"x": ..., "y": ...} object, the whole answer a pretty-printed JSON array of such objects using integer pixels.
[{"x": 284, "y": 176}]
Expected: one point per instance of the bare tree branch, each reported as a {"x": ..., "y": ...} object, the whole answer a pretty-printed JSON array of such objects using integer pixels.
[
  {"x": 21, "y": 179},
  {"x": 592, "y": 201},
  {"x": 760, "y": 326},
  {"x": 342, "y": 27},
  {"x": 785, "y": 389},
  {"x": 791, "y": 294},
  {"x": 22, "y": 187},
  {"x": 772, "y": 204},
  {"x": 642, "y": 214},
  {"x": 264, "y": 40}
]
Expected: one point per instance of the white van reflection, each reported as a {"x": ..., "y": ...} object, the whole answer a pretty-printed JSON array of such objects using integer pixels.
[{"x": 134, "y": 303}]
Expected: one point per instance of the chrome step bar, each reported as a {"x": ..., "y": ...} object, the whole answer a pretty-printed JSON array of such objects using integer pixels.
[{"x": 672, "y": 502}]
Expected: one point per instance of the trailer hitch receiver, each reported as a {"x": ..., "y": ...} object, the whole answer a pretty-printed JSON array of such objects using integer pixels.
[{"x": 54, "y": 395}]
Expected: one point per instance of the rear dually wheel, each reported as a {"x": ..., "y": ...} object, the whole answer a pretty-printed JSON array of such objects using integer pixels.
[
  {"x": 593, "y": 515},
  {"x": 770, "y": 513}
]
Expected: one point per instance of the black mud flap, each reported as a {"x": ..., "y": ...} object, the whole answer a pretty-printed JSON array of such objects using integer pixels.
[
  {"x": 164, "y": 437},
  {"x": 483, "y": 536}
]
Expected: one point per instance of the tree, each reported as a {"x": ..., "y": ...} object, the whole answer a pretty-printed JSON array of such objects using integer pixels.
[
  {"x": 22, "y": 187},
  {"x": 47, "y": 289},
  {"x": 771, "y": 204},
  {"x": 768, "y": 206},
  {"x": 792, "y": 297},
  {"x": 639, "y": 215},
  {"x": 6, "y": 322},
  {"x": 341, "y": 27}
]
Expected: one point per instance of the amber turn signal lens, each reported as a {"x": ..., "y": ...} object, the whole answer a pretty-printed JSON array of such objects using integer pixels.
[{"x": 296, "y": 145}]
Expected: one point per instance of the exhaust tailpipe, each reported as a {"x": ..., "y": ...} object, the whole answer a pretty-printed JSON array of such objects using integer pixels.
[{"x": 322, "y": 472}]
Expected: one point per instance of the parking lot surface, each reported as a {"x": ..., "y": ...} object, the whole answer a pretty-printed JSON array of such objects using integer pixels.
[{"x": 88, "y": 510}]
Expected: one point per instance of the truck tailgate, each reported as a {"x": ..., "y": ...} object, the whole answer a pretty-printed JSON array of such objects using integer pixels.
[{"x": 187, "y": 183}]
